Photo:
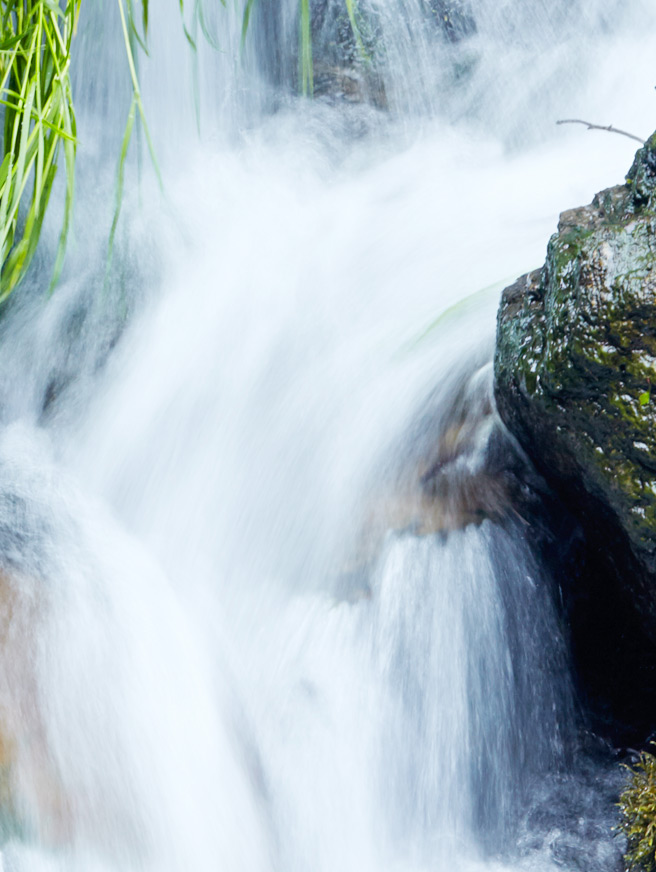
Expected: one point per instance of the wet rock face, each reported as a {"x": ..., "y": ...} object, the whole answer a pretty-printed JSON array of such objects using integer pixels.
[
  {"x": 344, "y": 59},
  {"x": 455, "y": 466},
  {"x": 349, "y": 46},
  {"x": 454, "y": 17},
  {"x": 576, "y": 358},
  {"x": 641, "y": 178},
  {"x": 575, "y": 367}
]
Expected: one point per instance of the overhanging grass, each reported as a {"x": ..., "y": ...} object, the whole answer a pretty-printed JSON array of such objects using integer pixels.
[{"x": 36, "y": 38}]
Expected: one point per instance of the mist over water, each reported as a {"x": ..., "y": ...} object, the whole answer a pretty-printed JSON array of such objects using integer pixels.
[{"x": 215, "y": 659}]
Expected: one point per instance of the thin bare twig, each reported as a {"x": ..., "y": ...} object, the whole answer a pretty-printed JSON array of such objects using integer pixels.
[{"x": 608, "y": 129}]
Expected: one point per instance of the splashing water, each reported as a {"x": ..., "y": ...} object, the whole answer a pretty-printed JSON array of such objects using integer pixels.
[{"x": 209, "y": 659}]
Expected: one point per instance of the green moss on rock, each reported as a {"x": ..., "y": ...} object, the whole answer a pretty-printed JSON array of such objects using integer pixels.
[
  {"x": 638, "y": 815},
  {"x": 641, "y": 178},
  {"x": 576, "y": 358}
]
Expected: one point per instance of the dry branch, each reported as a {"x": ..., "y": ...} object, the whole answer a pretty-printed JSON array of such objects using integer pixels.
[{"x": 609, "y": 128}]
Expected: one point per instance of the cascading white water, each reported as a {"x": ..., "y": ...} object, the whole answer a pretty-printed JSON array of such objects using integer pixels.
[{"x": 185, "y": 684}]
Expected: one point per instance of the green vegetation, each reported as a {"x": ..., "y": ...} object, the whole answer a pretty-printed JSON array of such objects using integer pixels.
[
  {"x": 36, "y": 38},
  {"x": 305, "y": 52},
  {"x": 638, "y": 815},
  {"x": 39, "y": 119},
  {"x": 39, "y": 122},
  {"x": 131, "y": 36}
]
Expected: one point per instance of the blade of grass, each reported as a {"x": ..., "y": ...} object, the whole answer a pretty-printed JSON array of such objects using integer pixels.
[
  {"x": 120, "y": 180},
  {"x": 248, "y": 8},
  {"x": 137, "y": 93},
  {"x": 350, "y": 11},
  {"x": 306, "y": 64}
]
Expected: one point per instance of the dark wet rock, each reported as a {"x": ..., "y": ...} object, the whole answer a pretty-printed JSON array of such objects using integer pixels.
[
  {"x": 344, "y": 57},
  {"x": 574, "y": 367},
  {"x": 641, "y": 178},
  {"x": 447, "y": 477},
  {"x": 454, "y": 17},
  {"x": 459, "y": 466},
  {"x": 576, "y": 356},
  {"x": 334, "y": 40},
  {"x": 349, "y": 52}
]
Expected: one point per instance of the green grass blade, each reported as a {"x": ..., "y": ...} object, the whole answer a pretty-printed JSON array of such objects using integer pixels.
[
  {"x": 211, "y": 41},
  {"x": 248, "y": 8},
  {"x": 68, "y": 118},
  {"x": 137, "y": 93},
  {"x": 188, "y": 36},
  {"x": 306, "y": 63},
  {"x": 120, "y": 179},
  {"x": 350, "y": 11}
]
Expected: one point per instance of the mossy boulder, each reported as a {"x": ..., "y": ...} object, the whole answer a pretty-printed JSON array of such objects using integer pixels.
[
  {"x": 576, "y": 359},
  {"x": 575, "y": 383}
]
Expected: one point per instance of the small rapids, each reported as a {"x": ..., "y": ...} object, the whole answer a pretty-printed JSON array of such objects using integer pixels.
[{"x": 230, "y": 639}]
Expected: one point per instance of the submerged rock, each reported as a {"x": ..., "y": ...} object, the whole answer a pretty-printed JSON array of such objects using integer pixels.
[
  {"x": 348, "y": 84},
  {"x": 456, "y": 466},
  {"x": 575, "y": 365}
]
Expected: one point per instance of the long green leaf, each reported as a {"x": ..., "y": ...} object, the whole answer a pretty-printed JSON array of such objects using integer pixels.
[
  {"x": 120, "y": 179},
  {"x": 306, "y": 63},
  {"x": 248, "y": 8},
  {"x": 350, "y": 11}
]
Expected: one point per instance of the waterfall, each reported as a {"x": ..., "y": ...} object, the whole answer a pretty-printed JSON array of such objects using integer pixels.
[{"x": 228, "y": 642}]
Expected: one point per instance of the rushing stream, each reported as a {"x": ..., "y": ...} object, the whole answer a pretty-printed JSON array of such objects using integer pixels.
[{"x": 219, "y": 652}]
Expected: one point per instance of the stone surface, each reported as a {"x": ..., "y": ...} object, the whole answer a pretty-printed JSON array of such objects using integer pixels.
[
  {"x": 575, "y": 383},
  {"x": 454, "y": 17},
  {"x": 576, "y": 361}
]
